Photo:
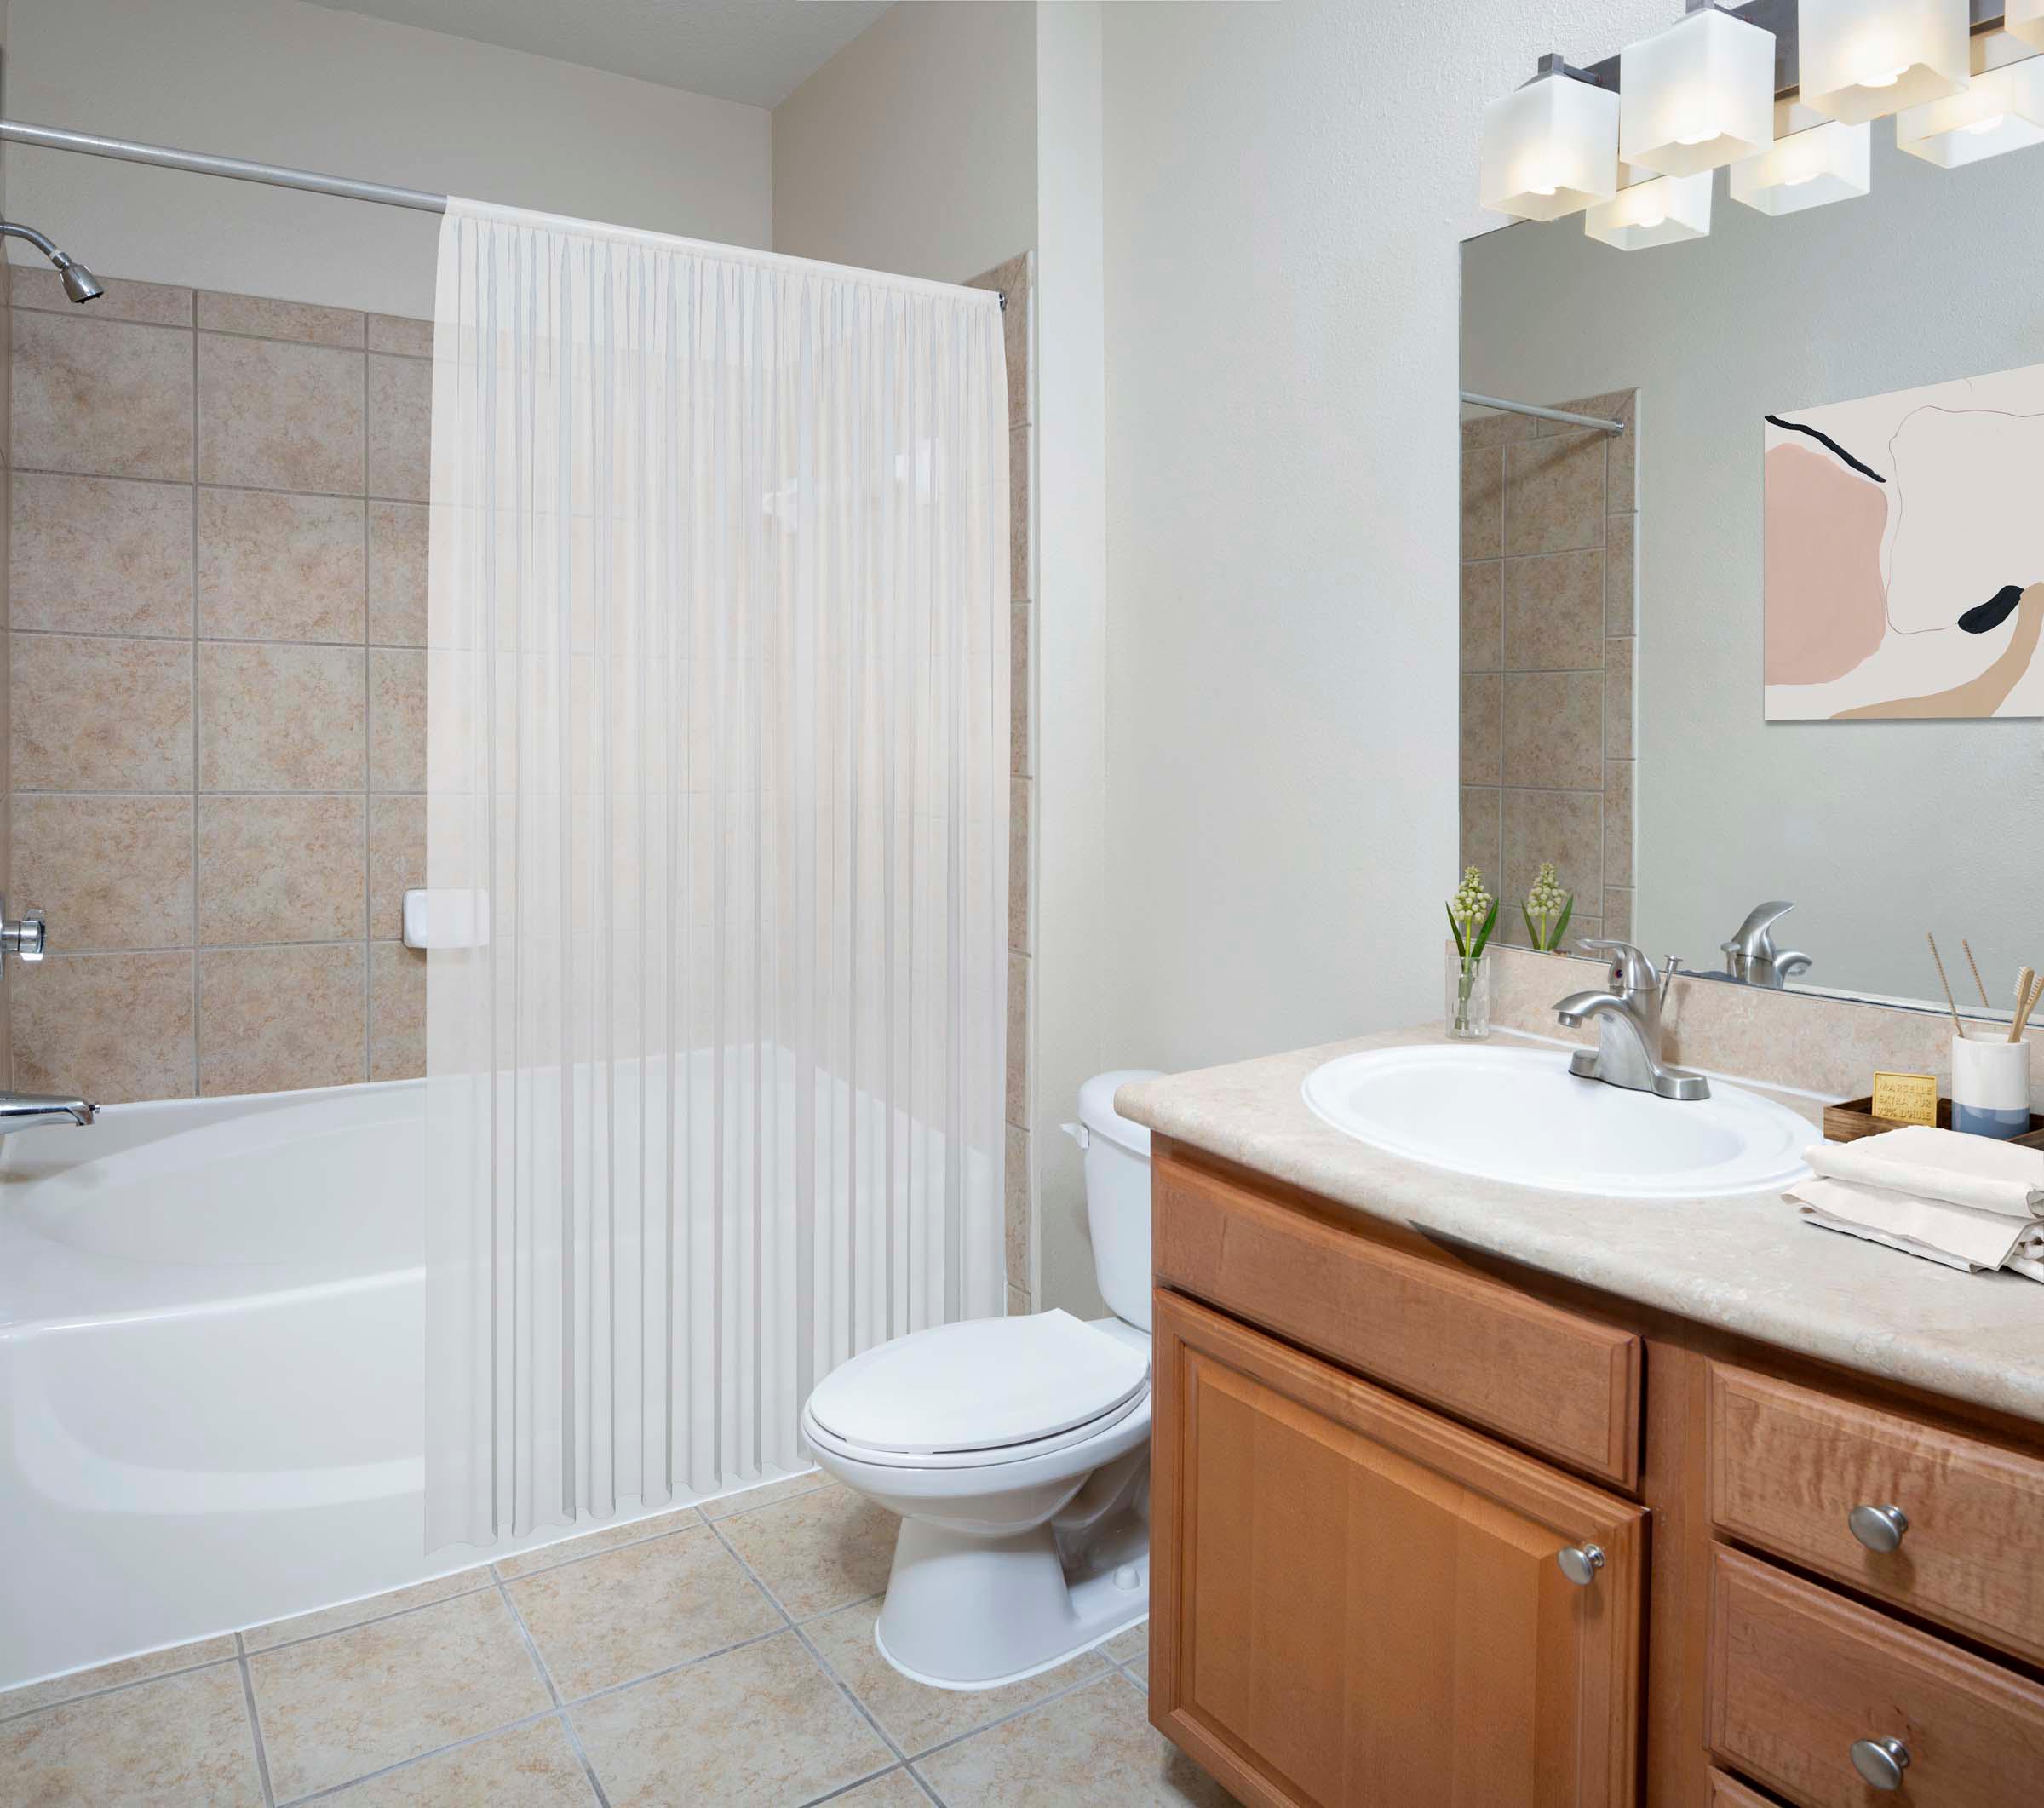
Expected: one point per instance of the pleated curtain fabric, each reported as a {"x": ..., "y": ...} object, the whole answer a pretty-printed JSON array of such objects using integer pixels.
[{"x": 718, "y": 783}]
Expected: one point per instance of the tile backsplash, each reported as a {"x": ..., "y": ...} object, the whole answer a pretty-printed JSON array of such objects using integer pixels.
[
  {"x": 217, "y": 612},
  {"x": 1548, "y": 532}
]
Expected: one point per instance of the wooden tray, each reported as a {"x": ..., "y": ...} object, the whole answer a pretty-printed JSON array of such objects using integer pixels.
[{"x": 1855, "y": 1118}]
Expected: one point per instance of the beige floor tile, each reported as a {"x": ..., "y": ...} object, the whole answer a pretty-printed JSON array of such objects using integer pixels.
[
  {"x": 176, "y": 1740},
  {"x": 914, "y": 1716},
  {"x": 640, "y": 1608},
  {"x": 532, "y": 1766},
  {"x": 757, "y": 1728},
  {"x": 1094, "y": 1748},
  {"x": 115, "y": 1675},
  {"x": 897, "y": 1789},
  {"x": 593, "y": 1544},
  {"x": 326, "y": 1620},
  {"x": 336, "y": 1709},
  {"x": 1141, "y": 1670},
  {"x": 765, "y": 1495},
  {"x": 824, "y": 1549},
  {"x": 1127, "y": 1645}
]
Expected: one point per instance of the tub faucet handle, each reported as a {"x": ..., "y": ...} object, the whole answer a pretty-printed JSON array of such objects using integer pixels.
[{"x": 27, "y": 936}]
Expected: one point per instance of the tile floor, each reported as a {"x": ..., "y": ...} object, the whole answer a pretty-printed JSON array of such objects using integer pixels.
[{"x": 718, "y": 1655}]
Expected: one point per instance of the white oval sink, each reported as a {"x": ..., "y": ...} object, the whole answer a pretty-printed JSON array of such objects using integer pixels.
[{"x": 1520, "y": 1115}]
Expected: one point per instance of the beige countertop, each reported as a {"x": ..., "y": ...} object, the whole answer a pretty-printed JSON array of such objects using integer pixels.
[{"x": 1744, "y": 1264}]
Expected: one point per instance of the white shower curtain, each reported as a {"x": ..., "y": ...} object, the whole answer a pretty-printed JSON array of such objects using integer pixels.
[{"x": 718, "y": 801}]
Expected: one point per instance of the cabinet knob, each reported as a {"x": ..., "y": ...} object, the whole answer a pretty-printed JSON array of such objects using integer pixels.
[
  {"x": 1877, "y": 1528},
  {"x": 1880, "y": 1762},
  {"x": 1579, "y": 1563}
]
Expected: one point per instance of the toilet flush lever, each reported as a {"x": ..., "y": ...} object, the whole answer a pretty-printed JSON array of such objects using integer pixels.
[
  {"x": 1078, "y": 1132},
  {"x": 27, "y": 936}
]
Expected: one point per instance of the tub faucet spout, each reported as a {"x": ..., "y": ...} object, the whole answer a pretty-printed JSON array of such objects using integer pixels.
[{"x": 26, "y": 1111}]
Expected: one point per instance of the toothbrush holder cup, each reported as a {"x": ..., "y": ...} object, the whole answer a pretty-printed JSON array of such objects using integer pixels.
[{"x": 1990, "y": 1086}]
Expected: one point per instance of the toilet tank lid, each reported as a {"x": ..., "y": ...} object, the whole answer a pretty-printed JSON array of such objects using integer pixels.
[{"x": 1097, "y": 1113}]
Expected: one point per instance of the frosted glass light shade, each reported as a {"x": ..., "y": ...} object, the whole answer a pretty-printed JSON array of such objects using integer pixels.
[
  {"x": 1663, "y": 211},
  {"x": 1550, "y": 148},
  {"x": 2002, "y": 110},
  {"x": 1866, "y": 59},
  {"x": 1699, "y": 95},
  {"x": 2025, "y": 17},
  {"x": 1827, "y": 163}
]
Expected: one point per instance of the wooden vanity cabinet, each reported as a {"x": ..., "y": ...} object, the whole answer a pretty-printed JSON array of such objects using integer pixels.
[{"x": 1370, "y": 1455}]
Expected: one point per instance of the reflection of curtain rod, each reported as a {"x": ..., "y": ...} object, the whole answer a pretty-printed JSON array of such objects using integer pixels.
[
  {"x": 163, "y": 157},
  {"x": 1498, "y": 402}
]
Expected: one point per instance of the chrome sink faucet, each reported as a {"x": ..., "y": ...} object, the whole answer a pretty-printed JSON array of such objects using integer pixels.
[
  {"x": 1629, "y": 1027},
  {"x": 27, "y": 939},
  {"x": 1752, "y": 958}
]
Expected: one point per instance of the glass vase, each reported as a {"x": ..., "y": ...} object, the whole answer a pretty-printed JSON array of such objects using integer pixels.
[{"x": 1469, "y": 997}]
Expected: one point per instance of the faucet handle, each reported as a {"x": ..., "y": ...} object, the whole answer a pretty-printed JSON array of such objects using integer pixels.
[
  {"x": 1631, "y": 970},
  {"x": 28, "y": 938}
]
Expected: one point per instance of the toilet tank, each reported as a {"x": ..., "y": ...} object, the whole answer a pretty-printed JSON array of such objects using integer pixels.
[{"x": 1117, "y": 1194}]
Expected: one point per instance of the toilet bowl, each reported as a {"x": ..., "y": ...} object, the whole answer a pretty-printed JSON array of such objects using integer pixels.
[{"x": 1016, "y": 1452}]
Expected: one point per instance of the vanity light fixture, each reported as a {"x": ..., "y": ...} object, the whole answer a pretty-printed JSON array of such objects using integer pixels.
[
  {"x": 1698, "y": 95},
  {"x": 2002, "y": 110},
  {"x": 1864, "y": 59},
  {"x": 1550, "y": 147},
  {"x": 1826, "y": 162},
  {"x": 2025, "y": 20},
  {"x": 1663, "y": 210}
]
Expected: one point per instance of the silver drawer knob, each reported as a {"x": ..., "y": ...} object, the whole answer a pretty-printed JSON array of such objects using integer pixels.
[
  {"x": 1878, "y": 1528},
  {"x": 1880, "y": 1762},
  {"x": 1579, "y": 1563}
]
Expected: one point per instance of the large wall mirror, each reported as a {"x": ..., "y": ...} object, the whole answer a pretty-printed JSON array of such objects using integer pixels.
[{"x": 1778, "y": 640}]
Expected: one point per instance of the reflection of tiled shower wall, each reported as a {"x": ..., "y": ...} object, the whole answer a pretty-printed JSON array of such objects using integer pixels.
[
  {"x": 1012, "y": 279},
  {"x": 1548, "y": 623},
  {"x": 218, "y": 611}
]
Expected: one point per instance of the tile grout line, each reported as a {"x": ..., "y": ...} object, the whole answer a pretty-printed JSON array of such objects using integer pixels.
[
  {"x": 248, "y": 1696},
  {"x": 546, "y": 1677},
  {"x": 375, "y": 1619},
  {"x": 327, "y": 1790},
  {"x": 369, "y": 1037},
  {"x": 191, "y": 661},
  {"x": 9, "y": 1714}
]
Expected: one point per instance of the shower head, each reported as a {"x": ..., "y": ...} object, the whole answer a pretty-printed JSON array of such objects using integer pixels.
[{"x": 79, "y": 283}]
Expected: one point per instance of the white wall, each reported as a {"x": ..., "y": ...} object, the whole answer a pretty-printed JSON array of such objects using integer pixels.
[
  {"x": 279, "y": 82},
  {"x": 914, "y": 148},
  {"x": 1286, "y": 189}
]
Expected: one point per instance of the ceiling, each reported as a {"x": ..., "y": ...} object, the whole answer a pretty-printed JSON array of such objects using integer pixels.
[{"x": 757, "y": 51}]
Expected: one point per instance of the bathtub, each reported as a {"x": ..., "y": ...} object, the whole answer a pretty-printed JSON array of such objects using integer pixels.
[{"x": 211, "y": 1371}]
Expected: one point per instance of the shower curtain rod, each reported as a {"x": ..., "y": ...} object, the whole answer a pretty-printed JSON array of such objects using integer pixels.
[
  {"x": 1543, "y": 414},
  {"x": 276, "y": 175}
]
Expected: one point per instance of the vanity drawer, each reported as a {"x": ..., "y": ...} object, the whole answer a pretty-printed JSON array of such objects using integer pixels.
[
  {"x": 1799, "y": 1675},
  {"x": 1788, "y": 1466},
  {"x": 1728, "y": 1792},
  {"x": 1550, "y": 1380}
]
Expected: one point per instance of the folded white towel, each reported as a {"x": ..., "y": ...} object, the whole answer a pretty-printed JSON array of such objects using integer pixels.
[
  {"x": 1956, "y": 1234},
  {"x": 1947, "y": 1165}
]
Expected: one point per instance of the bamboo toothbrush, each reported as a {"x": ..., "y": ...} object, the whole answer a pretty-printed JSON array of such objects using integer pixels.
[
  {"x": 1987, "y": 1003},
  {"x": 2028, "y": 989},
  {"x": 1958, "y": 1029}
]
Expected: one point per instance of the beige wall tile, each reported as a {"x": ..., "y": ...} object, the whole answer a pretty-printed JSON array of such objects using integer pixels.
[
  {"x": 1012, "y": 278},
  {"x": 150, "y": 304},
  {"x": 1483, "y": 617},
  {"x": 1496, "y": 429},
  {"x": 1565, "y": 827},
  {"x": 114, "y": 1026},
  {"x": 397, "y": 720},
  {"x": 111, "y": 872},
  {"x": 1554, "y": 729},
  {"x": 1018, "y": 1303},
  {"x": 1017, "y": 1217},
  {"x": 1020, "y": 479},
  {"x": 180, "y": 1739},
  {"x": 398, "y": 536},
  {"x": 1618, "y": 912},
  {"x": 1618, "y": 699},
  {"x": 101, "y": 397},
  {"x": 303, "y": 321},
  {"x": 397, "y": 1010},
  {"x": 99, "y": 555},
  {"x": 1609, "y": 405},
  {"x": 1021, "y": 691},
  {"x": 1482, "y": 749},
  {"x": 278, "y": 718},
  {"x": 1481, "y": 832},
  {"x": 1622, "y": 466},
  {"x": 93, "y": 714},
  {"x": 1554, "y": 493},
  {"x": 1020, "y": 797},
  {"x": 402, "y": 333},
  {"x": 271, "y": 1020},
  {"x": 280, "y": 868},
  {"x": 1018, "y": 1040},
  {"x": 1483, "y": 502},
  {"x": 400, "y": 428},
  {"x": 397, "y": 858},
  {"x": 277, "y": 416},
  {"x": 279, "y": 567},
  {"x": 1620, "y": 574},
  {"x": 1554, "y": 608},
  {"x": 1618, "y": 823}
]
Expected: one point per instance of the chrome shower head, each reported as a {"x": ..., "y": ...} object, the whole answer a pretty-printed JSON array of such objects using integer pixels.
[{"x": 79, "y": 283}]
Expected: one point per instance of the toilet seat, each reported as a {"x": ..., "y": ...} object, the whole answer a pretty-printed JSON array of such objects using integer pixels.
[{"x": 988, "y": 1391}]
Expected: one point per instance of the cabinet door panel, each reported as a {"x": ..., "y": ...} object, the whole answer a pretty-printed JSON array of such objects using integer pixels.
[{"x": 1357, "y": 1603}]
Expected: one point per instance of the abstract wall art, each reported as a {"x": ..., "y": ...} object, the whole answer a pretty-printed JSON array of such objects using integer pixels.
[{"x": 1904, "y": 553}]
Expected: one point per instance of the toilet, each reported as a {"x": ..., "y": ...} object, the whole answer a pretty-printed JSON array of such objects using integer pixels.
[{"x": 1016, "y": 1451}]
